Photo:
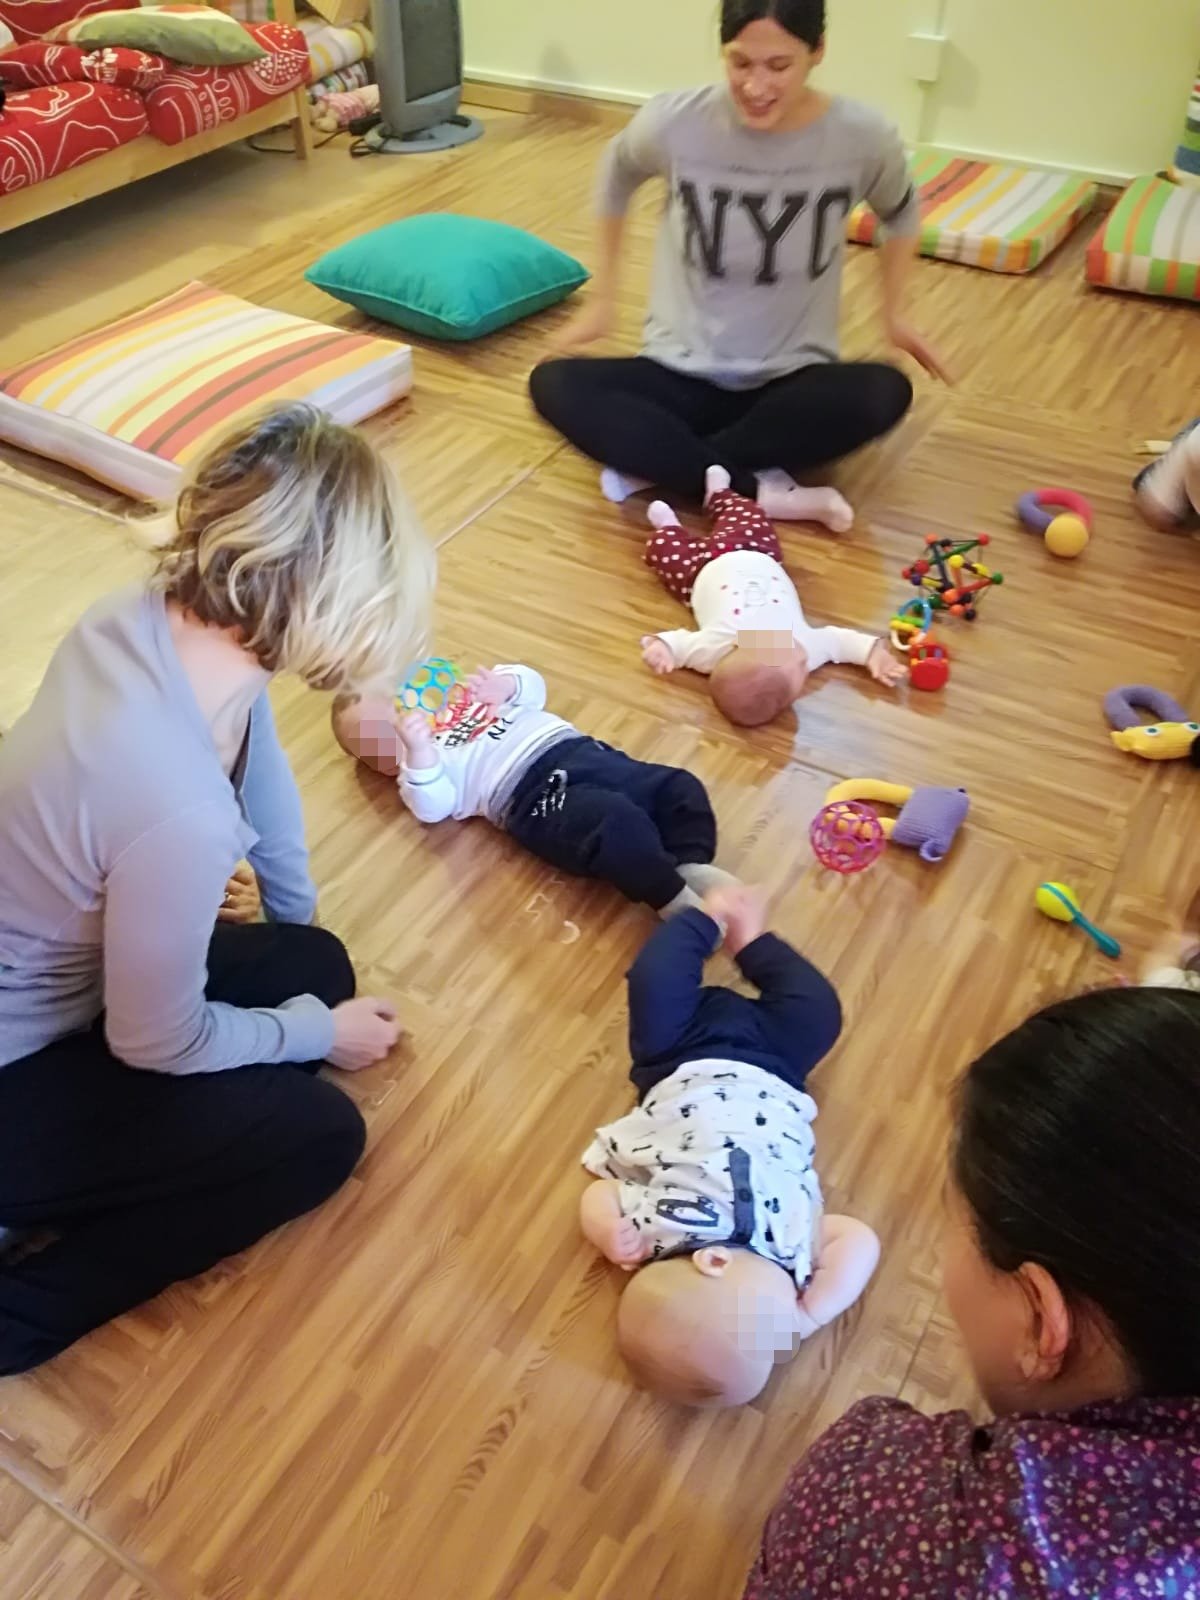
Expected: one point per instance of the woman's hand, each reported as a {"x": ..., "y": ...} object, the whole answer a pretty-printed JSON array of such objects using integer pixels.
[
  {"x": 656, "y": 653},
  {"x": 596, "y": 320},
  {"x": 243, "y": 902},
  {"x": 364, "y": 1030},
  {"x": 914, "y": 343}
]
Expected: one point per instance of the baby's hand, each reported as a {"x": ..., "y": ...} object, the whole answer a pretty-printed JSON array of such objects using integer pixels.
[
  {"x": 613, "y": 1234},
  {"x": 741, "y": 911},
  {"x": 656, "y": 653},
  {"x": 489, "y": 688},
  {"x": 883, "y": 666},
  {"x": 415, "y": 734}
]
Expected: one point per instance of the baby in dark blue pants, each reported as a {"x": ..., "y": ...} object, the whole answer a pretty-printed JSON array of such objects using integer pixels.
[
  {"x": 578, "y": 804},
  {"x": 706, "y": 1191}
]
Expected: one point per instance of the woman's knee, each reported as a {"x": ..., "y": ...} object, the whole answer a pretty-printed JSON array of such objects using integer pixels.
[
  {"x": 552, "y": 387},
  {"x": 886, "y": 398},
  {"x": 320, "y": 964},
  {"x": 319, "y": 1137}
]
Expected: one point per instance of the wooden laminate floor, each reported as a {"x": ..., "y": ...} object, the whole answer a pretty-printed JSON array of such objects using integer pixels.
[{"x": 414, "y": 1391}]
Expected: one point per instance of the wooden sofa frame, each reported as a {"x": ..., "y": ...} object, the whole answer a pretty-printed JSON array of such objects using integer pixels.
[{"x": 146, "y": 154}]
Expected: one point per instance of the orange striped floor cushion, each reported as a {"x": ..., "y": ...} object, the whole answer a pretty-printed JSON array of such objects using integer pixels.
[
  {"x": 134, "y": 403},
  {"x": 1003, "y": 218},
  {"x": 1150, "y": 241}
]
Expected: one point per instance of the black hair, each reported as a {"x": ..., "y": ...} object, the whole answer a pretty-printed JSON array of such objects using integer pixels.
[
  {"x": 803, "y": 19},
  {"x": 1078, "y": 1148}
]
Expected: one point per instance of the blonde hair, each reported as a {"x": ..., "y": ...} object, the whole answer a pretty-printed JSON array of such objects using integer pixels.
[
  {"x": 750, "y": 692},
  {"x": 293, "y": 530}
]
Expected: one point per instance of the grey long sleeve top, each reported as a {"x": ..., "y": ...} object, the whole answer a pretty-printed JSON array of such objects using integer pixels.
[
  {"x": 748, "y": 268},
  {"x": 118, "y": 831}
]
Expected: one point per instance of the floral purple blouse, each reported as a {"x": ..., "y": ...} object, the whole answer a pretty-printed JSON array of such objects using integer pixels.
[{"x": 1099, "y": 1504}]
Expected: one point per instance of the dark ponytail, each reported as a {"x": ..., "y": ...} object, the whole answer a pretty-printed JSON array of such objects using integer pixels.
[
  {"x": 803, "y": 19},
  {"x": 1078, "y": 1147}
]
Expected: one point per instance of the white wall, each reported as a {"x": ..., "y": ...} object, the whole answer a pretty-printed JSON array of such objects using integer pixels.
[
  {"x": 1100, "y": 85},
  {"x": 1097, "y": 84}
]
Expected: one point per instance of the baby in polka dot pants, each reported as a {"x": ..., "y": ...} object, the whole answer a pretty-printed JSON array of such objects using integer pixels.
[{"x": 753, "y": 640}]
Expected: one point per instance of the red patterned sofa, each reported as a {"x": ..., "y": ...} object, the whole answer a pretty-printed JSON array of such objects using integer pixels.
[{"x": 77, "y": 123}]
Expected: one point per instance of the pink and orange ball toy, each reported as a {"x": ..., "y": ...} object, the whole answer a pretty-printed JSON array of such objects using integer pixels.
[{"x": 847, "y": 836}]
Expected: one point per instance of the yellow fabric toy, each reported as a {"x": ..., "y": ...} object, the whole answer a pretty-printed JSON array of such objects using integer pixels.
[
  {"x": 1172, "y": 737},
  {"x": 929, "y": 818}
]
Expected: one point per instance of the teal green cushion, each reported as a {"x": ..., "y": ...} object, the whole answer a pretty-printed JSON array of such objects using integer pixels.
[{"x": 448, "y": 277}]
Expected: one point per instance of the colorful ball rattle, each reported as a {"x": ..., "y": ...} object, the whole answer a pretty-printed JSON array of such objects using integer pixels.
[
  {"x": 431, "y": 686},
  {"x": 847, "y": 836},
  {"x": 1062, "y": 517},
  {"x": 1057, "y": 901}
]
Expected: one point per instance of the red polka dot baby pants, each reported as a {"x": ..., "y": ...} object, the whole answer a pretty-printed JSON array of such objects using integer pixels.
[{"x": 679, "y": 556}]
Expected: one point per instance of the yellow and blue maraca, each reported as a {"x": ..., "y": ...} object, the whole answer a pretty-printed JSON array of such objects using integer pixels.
[{"x": 1056, "y": 900}]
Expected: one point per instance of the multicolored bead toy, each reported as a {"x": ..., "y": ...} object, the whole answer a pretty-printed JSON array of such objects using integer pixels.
[{"x": 948, "y": 576}]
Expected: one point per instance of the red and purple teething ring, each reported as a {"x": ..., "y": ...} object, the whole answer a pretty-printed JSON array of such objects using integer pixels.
[
  {"x": 847, "y": 836},
  {"x": 1038, "y": 509}
]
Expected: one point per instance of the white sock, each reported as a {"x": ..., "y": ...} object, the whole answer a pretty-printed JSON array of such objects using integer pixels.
[
  {"x": 1171, "y": 978},
  {"x": 1163, "y": 491},
  {"x": 1170, "y": 488},
  {"x": 782, "y": 498},
  {"x": 716, "y": 481},
  {"x": 686, "y": 900},
  {"x": 617, "y": 486},
  {"x": 703, "y": 876},
  {"x": 1191, "y": 472},
  {"x": 660, "y": 515}
]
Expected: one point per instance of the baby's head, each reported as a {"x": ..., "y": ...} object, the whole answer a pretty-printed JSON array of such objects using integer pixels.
[
  {"x": 759, "y": 679},
  {"x": 707, "y": 1329},
  {"x": 365, "y": 727}
]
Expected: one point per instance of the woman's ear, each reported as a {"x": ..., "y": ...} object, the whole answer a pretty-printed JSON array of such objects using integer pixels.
[
  {"x": 712, "y": 1260},
  {"x": 1049, "y": 1325}
]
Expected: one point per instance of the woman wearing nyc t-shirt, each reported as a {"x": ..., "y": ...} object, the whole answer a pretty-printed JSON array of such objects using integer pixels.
[{"x": 740, "y": 365}]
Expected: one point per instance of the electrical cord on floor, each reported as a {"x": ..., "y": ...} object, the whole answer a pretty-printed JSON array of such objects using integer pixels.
[
  {"x": 290, "y": 149},
  {"x": 358, "y": 127}
]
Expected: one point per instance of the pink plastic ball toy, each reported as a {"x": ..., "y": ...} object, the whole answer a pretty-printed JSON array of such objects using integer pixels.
[{"x": 847, "y": 836}]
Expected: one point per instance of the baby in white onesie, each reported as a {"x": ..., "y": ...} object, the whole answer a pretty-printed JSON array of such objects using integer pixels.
[
  {"x": 706, "y": 1190},
  {"x": 753, "y": 640}
]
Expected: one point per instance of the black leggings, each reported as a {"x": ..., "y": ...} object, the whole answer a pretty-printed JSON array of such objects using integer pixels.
[
  {"x": 650, "y": 422},
  {"x": 597, "y": 813},
  {"x": 147, "y": 1178}
]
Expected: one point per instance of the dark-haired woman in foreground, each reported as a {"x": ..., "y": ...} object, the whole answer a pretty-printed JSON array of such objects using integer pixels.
[
  {"x": 1072, "y": 1268},
  {"x": 740, "y": 361}
]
